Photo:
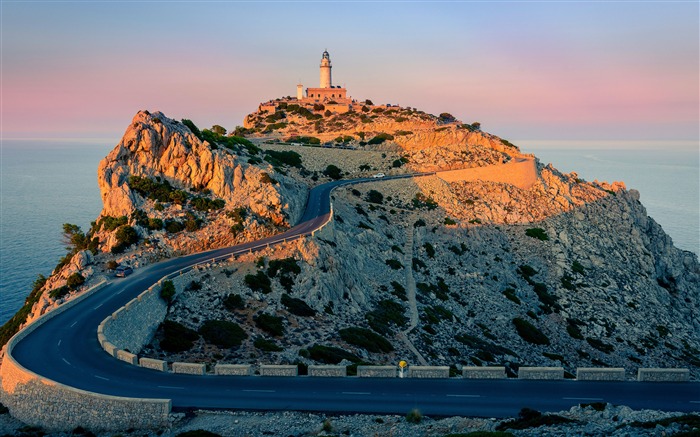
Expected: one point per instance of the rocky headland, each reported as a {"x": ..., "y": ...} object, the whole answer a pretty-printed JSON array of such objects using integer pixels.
[{"x": 496, "y": 259}]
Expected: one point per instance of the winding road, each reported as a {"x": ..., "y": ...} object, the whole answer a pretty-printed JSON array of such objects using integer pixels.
[{"x": 65, "y": 349}]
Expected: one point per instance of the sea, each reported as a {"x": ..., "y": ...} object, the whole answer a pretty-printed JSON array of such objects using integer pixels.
[{"x": 45, "y": 183}]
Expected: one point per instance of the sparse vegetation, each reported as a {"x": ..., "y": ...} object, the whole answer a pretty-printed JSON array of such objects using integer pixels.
[
  {"x": 233, "y": 302},
  {"x": 176, "y": 337},
  {"x": 167, "y": 291},
  {"x": 271, "y": 324},
  {"x": 331, "y": 354},
  {"x": 259, "y": 282},
  {"x": 333, "y": 172},
  {"x": 366, "y": 339},
  {"x": 538, "y": 233},
  {"x": 529, "y": 332},
  {"x": 266, "y": 345},
  {"x": 386, "y": 314},
  {"x": 528, "y": 418},
  {"x": 222, "y": 333},
  {"x": 297, "y": 306}
]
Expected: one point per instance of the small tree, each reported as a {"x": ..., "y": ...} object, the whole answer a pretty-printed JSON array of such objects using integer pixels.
[
  {"x": 75, "y": 280},
  {"x": 333, "y": 172},
  {"x": 375, "y": 196},
  {"x": 218, "y": 130},
  {"x": 167, "y": 291}
]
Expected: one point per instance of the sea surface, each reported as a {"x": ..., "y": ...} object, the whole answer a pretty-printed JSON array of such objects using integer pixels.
[{"x": 45, "y": 183}]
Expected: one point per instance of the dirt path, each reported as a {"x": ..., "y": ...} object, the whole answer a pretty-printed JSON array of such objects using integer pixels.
[{"x": 411, "y": 291}]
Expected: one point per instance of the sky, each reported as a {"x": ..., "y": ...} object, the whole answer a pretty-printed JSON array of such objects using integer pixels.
[{"x": 525, "y": 70}]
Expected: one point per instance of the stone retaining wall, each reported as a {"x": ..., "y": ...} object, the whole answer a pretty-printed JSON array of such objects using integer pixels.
[
  {"x": 190, "y": 368},
  {"x": 233, "y": 369},
  {"x": 541, "y": 373},
  {"x": 600, "y": 374},
  {"x": 328, "y": 371},
  {"x": 429, "y": 372},
  {"x": 39, "y": 401},
  {"x": 376, "y": 371},
  {"x": 663, "y": 375},
  {"x": 279, "y": 370},
  {"x": 127, "y": 357},
  {"x": 132, "y": 326},
  {"x": 492, "y": 372}
]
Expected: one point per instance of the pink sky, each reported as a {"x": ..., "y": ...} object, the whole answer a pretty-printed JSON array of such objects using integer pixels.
[{"x": 524, "y": 70}]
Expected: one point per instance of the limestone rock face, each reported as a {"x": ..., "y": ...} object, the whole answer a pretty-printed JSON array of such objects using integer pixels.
[{"x": 155, "y": 146}]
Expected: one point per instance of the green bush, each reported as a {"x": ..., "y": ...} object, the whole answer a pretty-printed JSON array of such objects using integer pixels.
[
  {"x": 193, "y": 128},
  {"x": 419, "y": 223},
  {"x": 421, "y": 201},
  {"x": 233, "y": 302},
  {"x": 375, "y": 196},
  {"x": 387, "y": 313},
  {"x": 280, "y": 158},
  {"x": 75, "y": 280},
  {"x": 155, "y": 224},
  {"x": 259, "y": 282},
  {"x": 538, "y": 233},
  {"x": 529, "y": 332},
  {"x": 333, "y": 172},
  {"x": 167, "y": 291},
  {"x": 205, "y": 204},
  {"x": 58, "y": 293},
  {"x": 331, "y": 354},
  {"x": 297, "y": 306},
  {"x": 399, "y": 291},
  {"x": 11, "y": 327},
  {"x": 173, "y": 226},
  {"x": 176, "y": 337},
  {"x": 222, "y": 333},
  {"x": 572, "y": 327},
  {"x": 394, "y": 264},
  {"x": 576, "y": 267},
  {"x": 509, "y": 293},
  {"x": 449, "y": 222},
  {"x": 270, "y": 324},
  {"x": 366, "y": 339},
  {"x": 108, "y": 223},
  {"x": 429, "y": 250},
  {"x": 126, "y": 235},
  {"x": 600, "y": 345},
  {"x": 266, "y": 345},
  {"x": 380, "y": 138}
]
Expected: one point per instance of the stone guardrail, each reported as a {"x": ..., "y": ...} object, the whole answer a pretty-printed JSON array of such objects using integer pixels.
[
  {"x": 600, "y": 374},
  {"x": 663, "y": 375},
  {"x": 541, "y": 373},
  {"x": 429, "y": 372},
  {"x": 490, "y": 372},
  {"x": 39, "y": 401}
]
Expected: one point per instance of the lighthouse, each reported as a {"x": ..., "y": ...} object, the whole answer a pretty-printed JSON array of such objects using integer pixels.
[{"x": 326, "y": 71}]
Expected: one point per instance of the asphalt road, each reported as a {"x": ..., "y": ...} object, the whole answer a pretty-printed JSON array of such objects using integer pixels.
[{"x": 65, "y": 349}]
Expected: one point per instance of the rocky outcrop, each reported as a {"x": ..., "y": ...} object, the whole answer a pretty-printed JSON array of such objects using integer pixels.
[{"x": 156, "y": 146}]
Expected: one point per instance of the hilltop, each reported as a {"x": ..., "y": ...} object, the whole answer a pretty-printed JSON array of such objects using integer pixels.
[{"x": 502, "y": 260}]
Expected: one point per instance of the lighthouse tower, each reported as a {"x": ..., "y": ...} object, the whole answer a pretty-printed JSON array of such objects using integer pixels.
[{"x": 326, "y": 71}]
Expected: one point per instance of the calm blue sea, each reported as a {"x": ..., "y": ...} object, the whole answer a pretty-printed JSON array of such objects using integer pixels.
[{"x": 44, "y": 184}]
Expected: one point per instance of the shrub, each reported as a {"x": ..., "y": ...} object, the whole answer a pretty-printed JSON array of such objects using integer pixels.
[
  {"x": 331, "y": 354},
  {"x": 58, "y": 293},
  {"x": 198, "y": 433},
  {"x": 233, "y": 302},
  {"x": 205, "y": 204},
  {"x": 11, "y": 327},
  {"x": 529, "y": 332},
  {"x": 173, "y": 226},
  {"x": 509, "y": 293},
  {"x": 108, "y": 223},
  {"x": 112, "y": 264},
  {"x": 448, "y": 221},
  {"x": 419, "y": 223},
  {"x": 280, "y": 158},
  {"x": 538, "y": 233},
  {"x": 386, "y": 313},
  {"x": 429, "y": 249},
  {"x": 222, "y": 333},
  {"x": 193, "y": 128},
  {"x": 394, "y": 264},
  {"x": 421, "y": 201},
  {"x": 259, "y": 282},
  {"x": 155, "y": 224},
  {"x": 297, "y": 306},
  {"x": 600, "y": 345},
  {"x": 74, "y": 281},
  {"x": 414, "y": 416},
  {"x": 366, "y": 339},
  {"x": 126, "y": 235},
  {"x": 399, "y": 291},
  {"x": 270, "y": 324},
  {"x": 375, "y": 196},
  {"x": 333, "y": 172},
  {"x": 380, "y": 138},
  {"x": 573, "y": 330},
  {"x": 176, "y": 337},
  {"x": 266, "y": 345},
  {"x": 167, "y": 291},
  {"x": 576, "y": 267}
]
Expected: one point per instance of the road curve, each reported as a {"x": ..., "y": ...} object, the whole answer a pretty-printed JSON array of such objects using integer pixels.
[{"x": 65, "y": 349}]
